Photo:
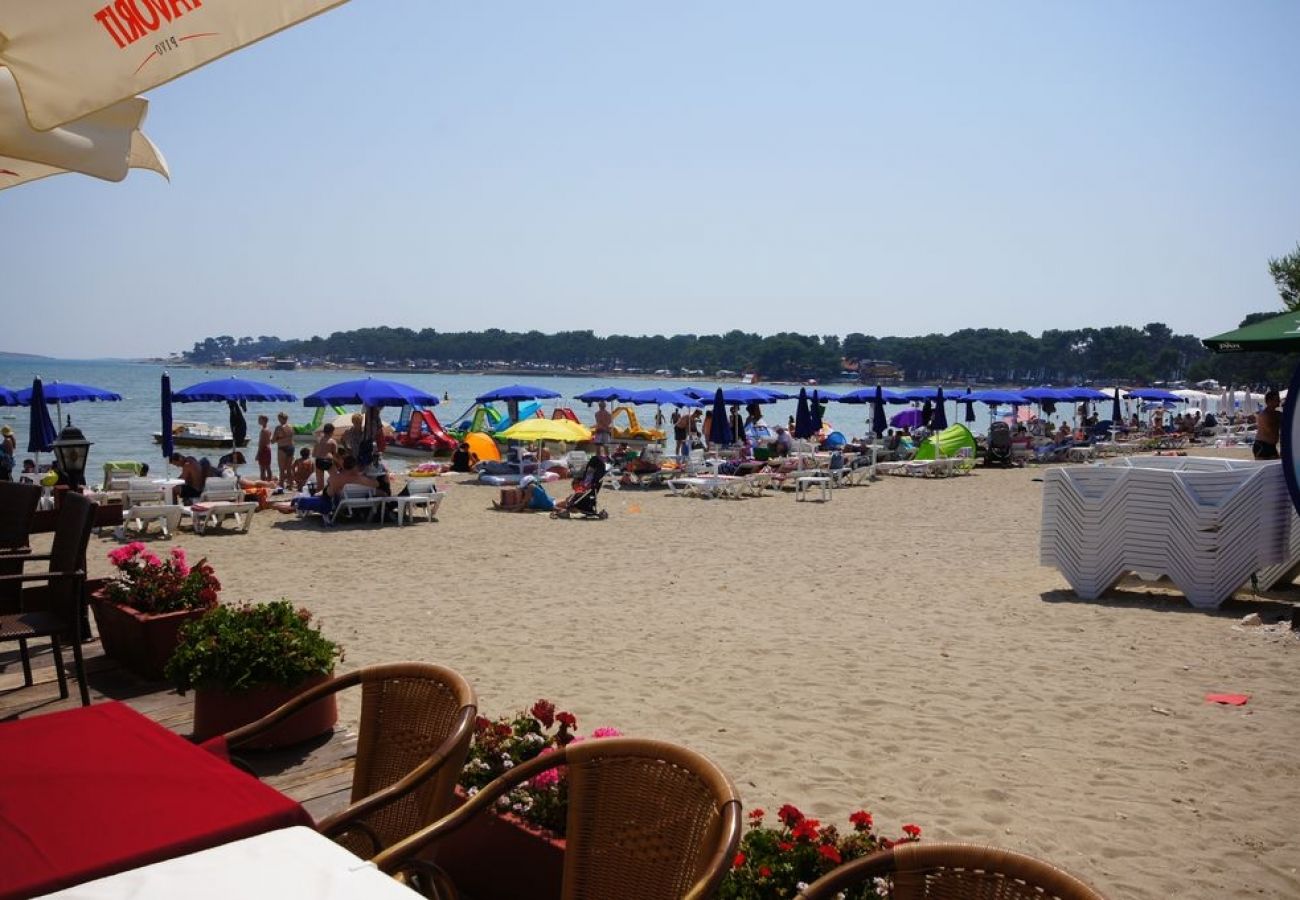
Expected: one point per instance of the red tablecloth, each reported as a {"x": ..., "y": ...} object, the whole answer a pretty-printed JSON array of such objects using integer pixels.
[{"x": 101, "y": 789}]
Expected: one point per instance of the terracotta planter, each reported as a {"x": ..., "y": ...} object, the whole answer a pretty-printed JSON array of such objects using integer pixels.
[
  {"x": 472, "y": 857},
  {"x": 141, "y": 642},
  {"x": 217, "y": 711}
]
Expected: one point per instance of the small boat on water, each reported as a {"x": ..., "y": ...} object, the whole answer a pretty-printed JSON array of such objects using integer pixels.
[{"x": 199, "y": 434}]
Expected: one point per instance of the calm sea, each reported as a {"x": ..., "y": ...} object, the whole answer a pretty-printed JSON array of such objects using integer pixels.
[{"x": 125, "y": 430}]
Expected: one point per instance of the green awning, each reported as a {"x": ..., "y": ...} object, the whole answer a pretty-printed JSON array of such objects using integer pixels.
[{"x": 1280, "y": 334}]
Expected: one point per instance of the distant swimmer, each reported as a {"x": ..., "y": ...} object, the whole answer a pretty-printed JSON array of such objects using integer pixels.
[{"x": 445, "y": 396}]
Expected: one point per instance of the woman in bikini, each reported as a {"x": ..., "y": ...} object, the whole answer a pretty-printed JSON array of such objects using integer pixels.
[{"x": 283, "y": 438}]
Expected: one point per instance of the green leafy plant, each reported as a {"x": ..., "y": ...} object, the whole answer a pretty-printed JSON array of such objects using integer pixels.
[
  {"x": 236, "y": 648},
  {"x": 779, "y": 862},
  {"x": 152, "y": 585}
]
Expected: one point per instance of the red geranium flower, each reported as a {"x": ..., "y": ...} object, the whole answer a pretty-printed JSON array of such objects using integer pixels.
[
  {"x": 912, "y": 831},
  {"x": 829, "y": 851},
  {"x": 764, "y": 872},
  {"x": 544, "y": 712},
  {"x": 789, "y": 815},
  {"x": 756, "y": 813},
  {"x": 567, "y": 718},
  {"x": 861, "y": 820},
  {"x": 503, "y": 729},
  {"x": 482, "y": 723},
  {"x": 785, "y": 846},
  {"x": 805, "y": 829},
  {"x": 738, "y": 860}
]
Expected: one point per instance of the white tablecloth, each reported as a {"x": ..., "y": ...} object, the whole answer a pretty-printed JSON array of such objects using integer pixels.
[{"x": 287, "y": 864}]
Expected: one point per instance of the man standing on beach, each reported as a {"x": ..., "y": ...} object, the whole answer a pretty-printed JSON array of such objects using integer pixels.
[
  {"x": 604, "y": 425},
  {"x": 1268, "y": 428}
]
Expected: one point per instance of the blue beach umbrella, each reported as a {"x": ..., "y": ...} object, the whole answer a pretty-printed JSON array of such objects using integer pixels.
[
  {"x": 747, "y": 395},
  {"x": 996, "y": 398},
  {"x": 940, "y": 419},
  {"x": 168, "y": 445},
  {"x": 371, "y": 392},
  {"x": 773, "y": 393},
  {"x": 815, "y": 411},
  {"x": 918, "y": 395},
  {"x": 1081, "y": 393},
  {"x": 908, "y": 418},
  {"x": 239, "y": 390},
  {"x": 970, "y": 405},
  {"x": 1154, "y": 394},
  {"x": 802, "y": 418},
  {"x": 719, "y": 427},
  {"x": 659, "y": 396},
  {"x": 697, "y": 393},
  {"x": 869, "y": 395},
  {"x": 878, "y": 421},
  {"x": 41, "y": 433},
  {"x": 67, "y": 392},
  {"x": 1115, "y": 414},
  {"x": 517, "y": 392},
  {"x": 597, "y": 394},
  {"x": 8, "y": 397}
]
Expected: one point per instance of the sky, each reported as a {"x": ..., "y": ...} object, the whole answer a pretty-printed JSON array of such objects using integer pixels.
[{"x": 665, "y": 168}]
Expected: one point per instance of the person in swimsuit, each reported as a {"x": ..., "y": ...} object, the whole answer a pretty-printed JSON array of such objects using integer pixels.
[
  {"x": 264, "y": 449},
  {"x": 325, "y": 451},
  {"x": 1268, "y": 428},
  {"x": 282, "y": 437}
]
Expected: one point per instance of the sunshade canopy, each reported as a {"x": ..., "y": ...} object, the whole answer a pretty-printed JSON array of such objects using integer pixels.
[
  {"x": 919, "y": 394},
  {"x": 370, "y": 392},
  {"x": 1280, "y": 334},
  {"x": 598, "y": 394},
  {"x": 1081, "y": 393},
  {"x": 1154, "y": 394},
  {"x": 226, "y": 389},
  {"x": 8, "y": 397},
  {"x": 993, "y": 397},
  {"x": 482, "y": 446},
  {"x": 68, "y": 392},
  {"x": 868, "y": 395},
  {"x": 951, "y": 440},
  {"x": 660, "y": 396},
  {"x": 516, "y": 392},
  {"x": 546, "y": 430}
]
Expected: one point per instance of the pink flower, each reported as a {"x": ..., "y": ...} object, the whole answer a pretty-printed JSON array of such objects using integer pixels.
[
  {"x": 178, "y": 557},
  {"x": 546, "y": 778},
  {"x": 606, "y": 732}
]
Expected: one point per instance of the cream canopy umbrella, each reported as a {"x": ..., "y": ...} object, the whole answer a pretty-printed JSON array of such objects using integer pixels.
[
  {"x": 99, "y": 144},
  {"x": 72, "y": 58},
  {"x": 144, "y": 155}
]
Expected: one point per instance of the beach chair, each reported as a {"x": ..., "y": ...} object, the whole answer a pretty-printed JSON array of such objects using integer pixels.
[
  {"x": 356, "y": 498},
  {"x": 921, "y": 871},
  {"x": 416, "y": 724},
  {"x": 205, "y": 515},
  {"x": 166, "y": 515},
  {"x": 420, "y": 494},
  {"x": 221, "y": 490},
  {"x": 646, "y": 819},
  {"x": 141, "y": 491}
]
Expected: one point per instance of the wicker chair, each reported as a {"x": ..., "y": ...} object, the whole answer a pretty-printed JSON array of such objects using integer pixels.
[
  {"x": 54, "y": 609},
  {"x": 954, "y": 872},
  {"x": 417, "y": 720},
  {"x": 17, "y": 508},
  {"x": 646, "y": 819}
]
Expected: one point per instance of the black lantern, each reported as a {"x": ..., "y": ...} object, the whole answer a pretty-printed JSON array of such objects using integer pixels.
[{"x": 72, "y": 450}]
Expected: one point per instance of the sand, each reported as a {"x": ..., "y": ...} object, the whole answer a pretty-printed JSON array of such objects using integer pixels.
[{"x": 898, "y": 649}]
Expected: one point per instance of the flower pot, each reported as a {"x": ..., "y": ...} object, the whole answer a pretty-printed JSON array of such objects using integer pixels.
[
  {"x": 141, "y": 642},
  {"x": 472, "y": 854},
  {"x": 217, "y": 711}
]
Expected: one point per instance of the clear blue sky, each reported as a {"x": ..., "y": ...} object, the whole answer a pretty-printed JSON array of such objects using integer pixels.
[{"x": 688, "y": 167}]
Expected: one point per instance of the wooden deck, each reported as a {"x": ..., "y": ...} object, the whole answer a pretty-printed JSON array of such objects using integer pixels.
[{"x": 317, "y": 774}]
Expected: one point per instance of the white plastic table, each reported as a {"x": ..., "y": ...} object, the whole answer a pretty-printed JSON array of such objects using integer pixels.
[{"x": 289, "y": 864}]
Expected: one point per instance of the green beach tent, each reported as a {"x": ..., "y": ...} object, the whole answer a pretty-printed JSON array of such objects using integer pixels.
[
  {"x": 1280, "y": 334},
  {"x": 952, "y": 440}
]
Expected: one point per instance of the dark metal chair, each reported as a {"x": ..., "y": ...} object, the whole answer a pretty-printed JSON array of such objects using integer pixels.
[
  {"x": 18, "y": 504},
  {"x": 53, "y": 609}
]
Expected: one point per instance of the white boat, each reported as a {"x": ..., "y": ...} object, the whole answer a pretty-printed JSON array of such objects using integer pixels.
[{"x": 199, "y": 434}]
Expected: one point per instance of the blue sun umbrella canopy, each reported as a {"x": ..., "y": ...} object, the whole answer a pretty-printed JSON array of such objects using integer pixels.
[
  {"x": 919, "y": 394},
  {"x": 868, "y": 395},
  {"x": 370, "y": 392},
  {"x": 878, "y": 420},
  {"x": 597, "y": 394},
  {"x": 240, "y": 390},
  {"x": 8, "y": 397},
  {"x": 67, "y": 392},
  {"x": 40, "y": 433},
  {"x": 719, "y": 426},
  {"x": 659, "y": 396},
  {"x": 940, "y": 419},
  {"x": 1079, "y": 394},
  {"x": 803, "y": 418},
  {"x": 1115, "y": 414},
  {"x": 168, "y": 443},
  {"x": 996, "y": 398},
  {"x": 516, "y": 392},
  {"x": 1154, "y": 394}
]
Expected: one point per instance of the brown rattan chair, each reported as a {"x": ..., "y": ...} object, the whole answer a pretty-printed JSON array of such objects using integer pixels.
[
  {"x": 954, "y": 872},
  {"x": 53, "y": 609},
  {"x": 646, "y": 819},
  {"x": 417, "y": 720},
  {"x": 17, "y": 507}
]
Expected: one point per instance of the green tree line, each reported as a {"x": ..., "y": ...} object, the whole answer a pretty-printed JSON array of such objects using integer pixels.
[{"x": 986, "y": 355}]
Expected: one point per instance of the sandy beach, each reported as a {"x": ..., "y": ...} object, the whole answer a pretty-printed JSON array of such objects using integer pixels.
[{"x": 898, "y": 649}]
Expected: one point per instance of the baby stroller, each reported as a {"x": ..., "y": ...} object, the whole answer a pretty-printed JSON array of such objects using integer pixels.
[
  {"x": 999, "y": 451},
  {"x": 583, "y": 500}
]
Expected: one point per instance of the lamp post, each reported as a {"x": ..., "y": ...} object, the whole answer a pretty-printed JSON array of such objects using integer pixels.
[{"x": 72, "y": 450}]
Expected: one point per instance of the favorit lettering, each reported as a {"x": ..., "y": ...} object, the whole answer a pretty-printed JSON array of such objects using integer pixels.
[{"x": 129, "y": 20}]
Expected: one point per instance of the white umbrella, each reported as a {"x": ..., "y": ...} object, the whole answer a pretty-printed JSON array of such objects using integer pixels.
[
  {"x": 99, "y": 144},
  {"x": 1247, "y": 403},
  {"x": 144, "y": 155},
  {"x": 74, "y": 57}
]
